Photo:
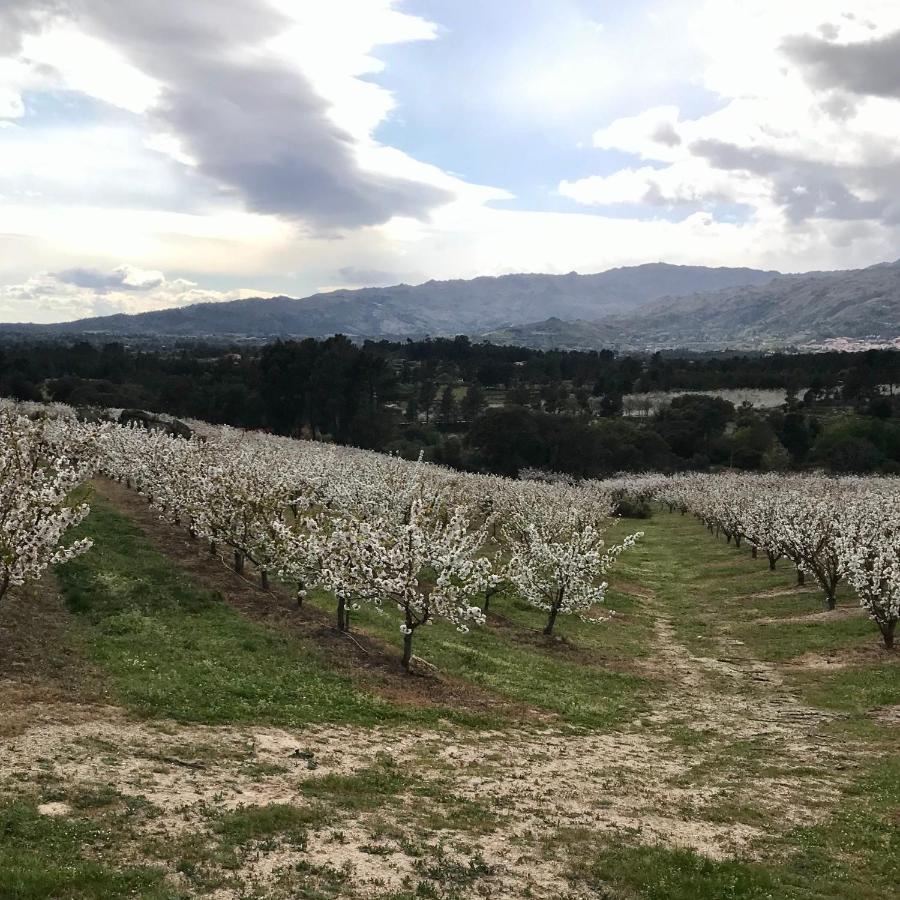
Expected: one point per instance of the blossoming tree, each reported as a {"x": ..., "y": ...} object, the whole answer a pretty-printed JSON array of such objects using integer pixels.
[
  {"x": 559, "y": 559},
  {"x": 37, "y": 475},
  {"x": 869, "y": 549}
]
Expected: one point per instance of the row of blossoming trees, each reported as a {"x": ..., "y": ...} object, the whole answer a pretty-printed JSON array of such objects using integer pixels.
[
  {"x": 834, "y": 529},
  {"x": 419, "y": 541},
  {"x": 412, "y": 539}
]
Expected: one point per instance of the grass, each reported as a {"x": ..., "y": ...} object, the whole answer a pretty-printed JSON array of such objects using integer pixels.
[
  {"x": 259, "y": 823},
  {"x": 711, "y": 590},
  {"x": 659, "y": 873},
  {"x": 361, "y": 791},
  {"x": 856, "y": 690},
  {"x": 567, "y": 675},
  {"x": 46, "y": 856},
  {"x": 780, "y": 641},
  {"x": 852, "y": 854}
]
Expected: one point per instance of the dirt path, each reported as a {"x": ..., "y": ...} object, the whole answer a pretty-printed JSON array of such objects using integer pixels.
[{"x": 734, "y": 696}]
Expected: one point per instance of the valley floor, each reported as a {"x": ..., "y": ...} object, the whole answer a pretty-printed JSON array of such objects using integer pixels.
[{"x": 168, "y": 729}]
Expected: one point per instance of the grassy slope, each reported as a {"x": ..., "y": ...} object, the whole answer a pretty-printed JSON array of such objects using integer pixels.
[{"x": 172, "y": 649}]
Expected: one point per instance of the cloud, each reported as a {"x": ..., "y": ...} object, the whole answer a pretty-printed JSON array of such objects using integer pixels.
[
  {"x": 261, "y": 131},
  {"x": 249, "y": 120},
  {"x": 686, "y": 183},
  {"x": 651, "y": 134},
  {"x": 369, "y": 277},
  {"x": 82, "y": 293},
  {"x": 124, "y": 278},
  {"x": 804, "y": 129},
  {"x": 865, "y": 67},
  {"x": 20, "y": 17}
]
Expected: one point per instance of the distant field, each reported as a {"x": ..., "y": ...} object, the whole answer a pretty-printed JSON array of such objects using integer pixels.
[
  {"x": 169, "y": 730},
  {"x": 649, "y": 403}
]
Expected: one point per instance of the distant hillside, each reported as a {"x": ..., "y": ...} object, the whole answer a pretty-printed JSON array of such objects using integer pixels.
[
  {"x": 558, "y": 334},
  {"x": 436, "y": 307},
  {"x": 792, "y": 309}
]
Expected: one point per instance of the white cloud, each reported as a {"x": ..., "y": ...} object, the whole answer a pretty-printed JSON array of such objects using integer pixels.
[
  {"x": 809, "y": 157},
  {"x": 68, "y": 57},
  {"x": 59, "y": 297},
  {"x": 687, "y": 182}
]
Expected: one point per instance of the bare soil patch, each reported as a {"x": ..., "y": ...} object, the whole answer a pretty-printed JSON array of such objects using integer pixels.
[
  {"x": 798, "y": 590},
  {"x": 845, "y": 658},
  {"x": 631, "y": 783},
  {"x": 43, "y": 666},
  {"x": 889, "y": 715},
  {"x": 824, "y": 616}
]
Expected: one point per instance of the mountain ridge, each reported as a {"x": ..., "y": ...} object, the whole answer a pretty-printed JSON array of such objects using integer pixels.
[
  {"x": 450, "y": 307},
  {"x": 653, "y": 306},
  {"x": 791, "y": 310}
]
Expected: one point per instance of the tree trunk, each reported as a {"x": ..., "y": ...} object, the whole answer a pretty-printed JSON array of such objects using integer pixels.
[
  {"x": 212, "y": 548},
  {"x": 238, "y": 562},
  {"x": 887, "y": 633},
  {"x": 771, "y": 560},
  {"x": 554, "y": 612},
  {"x": 301, "y": 590},
  {"x": 737, "y": 541},
  {"x": 343, "y": 616},
  {"x": 801, "y": 577},
  {"x": 407, "y": 652},
  {"x": 830, "y": 602},
  {"x": 488, "y": 594},
  {"x": 264, "y": 579},
  {"x": 407, "y": 643},
  {"x": 754, "y": 553}
]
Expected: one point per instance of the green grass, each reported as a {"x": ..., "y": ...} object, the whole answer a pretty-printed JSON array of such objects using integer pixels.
[
  {"x": 779, "y": 641},
  {"x": 712, "y": 590},
  {"x": 560, "y": 675},
  {"x": 852, "y": 854},
  {"x": 368, "y": 789},
  {"x": 47, "y": 856},
  {"x": 659, "y": 873},
  {"x": 852, "y": 690},
  {"x": 259, "y": 823}
]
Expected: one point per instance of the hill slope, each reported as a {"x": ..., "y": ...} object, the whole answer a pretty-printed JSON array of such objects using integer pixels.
[
  {"x": 788, "y": 310},
  {"x": 436, "y": 307},
  {"x": 792, "y": 309}
]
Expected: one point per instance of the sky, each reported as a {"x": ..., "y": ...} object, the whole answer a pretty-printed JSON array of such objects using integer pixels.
[{"x": 157, "y": 154}]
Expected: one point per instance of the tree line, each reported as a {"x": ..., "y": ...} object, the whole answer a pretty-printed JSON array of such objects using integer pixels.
[{"x": 482, "y": 407}]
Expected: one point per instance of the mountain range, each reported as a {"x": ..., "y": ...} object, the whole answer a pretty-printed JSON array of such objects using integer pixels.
[{"x": 639, "y": 307}]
